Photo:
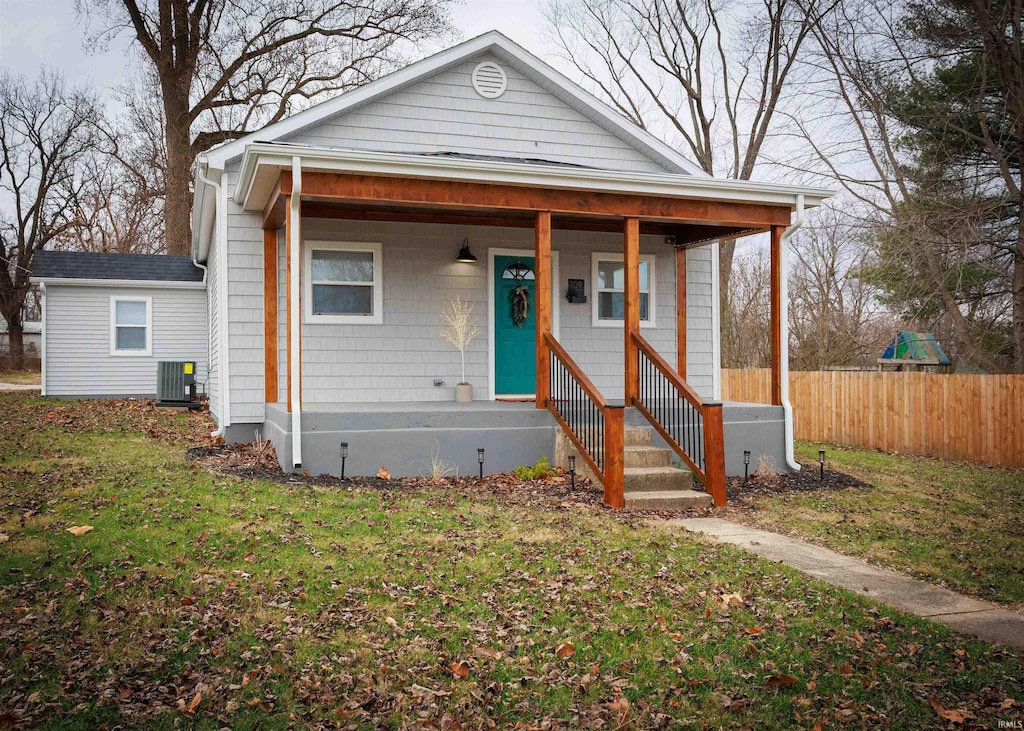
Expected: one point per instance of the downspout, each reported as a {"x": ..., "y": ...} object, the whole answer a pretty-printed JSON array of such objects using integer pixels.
[
  {"x": 221, "y": 425},
  {"x": 294, "y": 292},
  {"x": 787, "y": 408}
]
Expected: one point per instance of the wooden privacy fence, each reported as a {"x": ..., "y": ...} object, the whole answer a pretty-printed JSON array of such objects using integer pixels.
[{"x": 968, "y": 417}]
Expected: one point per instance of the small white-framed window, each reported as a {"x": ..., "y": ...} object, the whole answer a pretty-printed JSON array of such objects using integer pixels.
[
  {"x": 344, "y": 283},
  {"x": 131, "y": 325},
  {"x": 608, "y": 274}
]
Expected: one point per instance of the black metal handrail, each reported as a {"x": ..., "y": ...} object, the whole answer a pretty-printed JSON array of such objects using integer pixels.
[
  {"x": 669, "y": 406},
  {"x": 582, "y": 414}
]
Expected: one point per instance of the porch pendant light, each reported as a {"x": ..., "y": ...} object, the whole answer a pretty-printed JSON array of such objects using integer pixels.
[{"x": 465, "y": 255}]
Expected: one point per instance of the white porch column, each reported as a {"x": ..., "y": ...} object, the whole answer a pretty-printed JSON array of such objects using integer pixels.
[{"x": 294, "y": 231}]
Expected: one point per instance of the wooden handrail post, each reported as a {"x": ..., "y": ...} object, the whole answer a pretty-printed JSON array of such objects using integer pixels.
[
  {"x": 542, "y": 283},
  {"x": 714, "y": 452},
  {"x": 614, "y": 456},
  {"x": 631, "y": 295}
]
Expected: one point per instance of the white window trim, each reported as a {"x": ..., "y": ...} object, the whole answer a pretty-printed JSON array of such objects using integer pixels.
[
  {"x": 114, "y": 299},
  {"x": 377, "y": 318},
  {"x": 652, "y": 308}
]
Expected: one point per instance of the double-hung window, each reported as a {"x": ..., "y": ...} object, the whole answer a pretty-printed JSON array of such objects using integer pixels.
[
  {"x": 344, "y": 283},
  {"x": 609, "y": 277},
  {"x": 131, "y": 325}
]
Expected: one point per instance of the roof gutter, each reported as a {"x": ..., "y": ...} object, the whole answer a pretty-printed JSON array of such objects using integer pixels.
[
  {"x": 787, "y": 408},
  {"x": 216, "y": 192}
]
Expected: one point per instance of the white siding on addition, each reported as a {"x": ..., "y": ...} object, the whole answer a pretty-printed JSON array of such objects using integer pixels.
[{"x": 78, "y": 358}]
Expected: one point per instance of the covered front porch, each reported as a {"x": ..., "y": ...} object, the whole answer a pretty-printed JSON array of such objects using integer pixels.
[{"x": 312, "y": 190}]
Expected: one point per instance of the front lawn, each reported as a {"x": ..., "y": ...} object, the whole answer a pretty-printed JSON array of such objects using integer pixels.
[
  {"x": 207, "y": 601},
  {"x": 954, "y": 523}
]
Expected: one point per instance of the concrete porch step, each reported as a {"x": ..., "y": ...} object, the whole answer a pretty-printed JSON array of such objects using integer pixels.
[
  {"x": 667, "y": 500},
  {"x": 647, "y": 456},
  {"x": 638, "y": 436},
  {"x": 658, "y": 479}
]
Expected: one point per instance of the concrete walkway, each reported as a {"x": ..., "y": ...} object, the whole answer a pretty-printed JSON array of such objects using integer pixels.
[{"x": 963, "y": 614}]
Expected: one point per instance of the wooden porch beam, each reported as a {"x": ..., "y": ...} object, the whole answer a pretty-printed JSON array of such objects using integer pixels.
[
  {"x": 776, "y": 314},
  {"x": 631, "y": 295},
  {"x": 681, "y": 312},
  {"x": 687, "y": 235},
  {"x": 326, "y": 187},
  {"x": 270, "y": 315},
  {"x": 542, "y": 284}
]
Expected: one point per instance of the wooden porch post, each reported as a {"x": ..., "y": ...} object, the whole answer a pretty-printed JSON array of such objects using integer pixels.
[
  {"x": 542, "y": 279},
  {"x": 631, "y": 266},
  {"x": 270, "y": 315},
  {"x": 680, "y": 311},
  {"x": 614, "y": 456},
  {"x": 776, "y": 314}
]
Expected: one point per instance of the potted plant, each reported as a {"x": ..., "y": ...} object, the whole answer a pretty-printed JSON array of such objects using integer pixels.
[{"x": 459, "y": 330}]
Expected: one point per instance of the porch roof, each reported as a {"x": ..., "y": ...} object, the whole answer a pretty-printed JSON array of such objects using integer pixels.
[{"x": 263, "y": 163}]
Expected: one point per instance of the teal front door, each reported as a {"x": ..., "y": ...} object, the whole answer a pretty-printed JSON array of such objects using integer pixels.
[{"x": 515, "y": 343}]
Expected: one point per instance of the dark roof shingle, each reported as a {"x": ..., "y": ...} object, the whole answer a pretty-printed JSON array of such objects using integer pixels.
[{"x": 135, "y": 267}]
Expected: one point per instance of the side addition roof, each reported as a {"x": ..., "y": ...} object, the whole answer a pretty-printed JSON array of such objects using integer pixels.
[{"x": 78, "y": 265}]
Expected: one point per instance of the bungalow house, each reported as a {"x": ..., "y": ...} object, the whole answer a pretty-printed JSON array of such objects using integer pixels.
[{"x": 335, "y": 238}]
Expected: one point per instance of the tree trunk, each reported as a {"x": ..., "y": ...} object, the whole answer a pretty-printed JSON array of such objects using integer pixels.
[
  {"x": 177, "y": 177},
  {"x": 1017, "y": 326},
  {"x": 15, "y": 338}
]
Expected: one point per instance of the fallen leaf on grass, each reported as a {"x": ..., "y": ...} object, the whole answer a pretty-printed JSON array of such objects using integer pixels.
[
  {"x": 565, "y": 651},
  {"x": 79, "y": 530},
  {"x": 620, "y": 706},
  {"x": 488, "y": 652},
  {"x": 949, "y": 714},
  {"x": 1007, "y": 704},
  {"x": 754, "y": 631},
  {"x": 781, "y": 681},
  {"x": 731, "y": 600},
  {"x": 383, "y": 473},
  {"x": 846, "y": 669},
  {"x": 195, "y": 703},
  {"x": 460, "y": 669},
  {"x": 4, "y": 538},
  {"x": 186, "y": 601}
]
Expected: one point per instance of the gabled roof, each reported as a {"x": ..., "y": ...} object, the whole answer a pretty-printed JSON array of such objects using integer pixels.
[
  {"x": 506, "y": 50},
  {"x": 78, "y": 265}
]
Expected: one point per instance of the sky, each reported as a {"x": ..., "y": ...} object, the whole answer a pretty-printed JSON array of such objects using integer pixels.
[{"x": 34, "y": 33}]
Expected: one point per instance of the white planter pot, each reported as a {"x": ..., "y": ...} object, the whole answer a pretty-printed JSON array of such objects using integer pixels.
[{"x": 463, "y": 393}]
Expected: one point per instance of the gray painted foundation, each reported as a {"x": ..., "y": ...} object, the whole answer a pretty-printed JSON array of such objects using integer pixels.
[{"x": 408, "y": 438}]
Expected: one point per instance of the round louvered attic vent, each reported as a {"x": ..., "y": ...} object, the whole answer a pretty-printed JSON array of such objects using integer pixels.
[{"x": 489, "y": 80}]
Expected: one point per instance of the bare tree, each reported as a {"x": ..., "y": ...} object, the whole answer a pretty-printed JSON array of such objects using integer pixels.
[
  {"x": 746, "y": 313},
  {"x": 830, "y": 306},
  {"x": 712, "y": 74},
  {"x": 929, "y": 219},
  {"x": 46, "y": 131},
  {"x": 227, "y": 67}
]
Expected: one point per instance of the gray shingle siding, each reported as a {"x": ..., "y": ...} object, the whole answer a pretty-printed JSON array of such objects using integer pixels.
[
  {"x": 78, "y": 359},
  {"x": 132, "y": 267},
  {"x": 444, "y": 113},
  {"x": 398, "y": 360}
]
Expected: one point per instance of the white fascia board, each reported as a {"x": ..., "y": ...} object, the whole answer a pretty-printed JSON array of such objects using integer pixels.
[
  {"x": 506, "y": 50},
  {"x": 133, "y": 283},
  {"x": 253, "y": 189}
]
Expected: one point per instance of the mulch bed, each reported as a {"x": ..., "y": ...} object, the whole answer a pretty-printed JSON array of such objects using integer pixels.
[{"x": 256, "y": 461}]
